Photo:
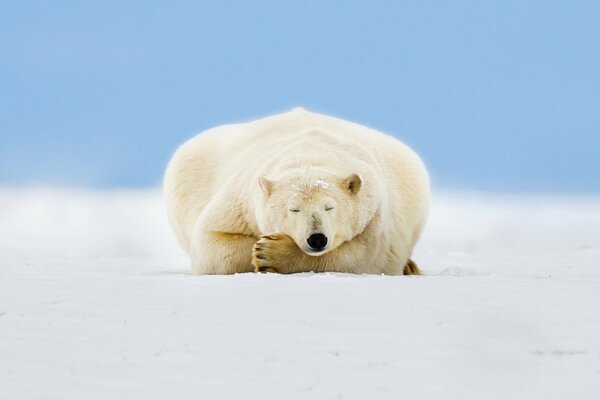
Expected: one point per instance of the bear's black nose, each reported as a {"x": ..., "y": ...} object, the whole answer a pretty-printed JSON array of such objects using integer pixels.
[{"x": 317, "y": 241}]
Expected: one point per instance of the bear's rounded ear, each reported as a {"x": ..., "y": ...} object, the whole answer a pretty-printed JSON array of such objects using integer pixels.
[
  {"x": 266, "y": 185},
  {"x": 352, "y": 183}
]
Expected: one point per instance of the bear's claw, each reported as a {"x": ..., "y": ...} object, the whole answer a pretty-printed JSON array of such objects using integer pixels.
[{"x": 411, "y": 268}]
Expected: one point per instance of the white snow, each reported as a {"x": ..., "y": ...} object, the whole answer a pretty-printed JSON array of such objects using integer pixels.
[
  {"x": 321, "y": 184},
  {"x": 96, "y": 302}
]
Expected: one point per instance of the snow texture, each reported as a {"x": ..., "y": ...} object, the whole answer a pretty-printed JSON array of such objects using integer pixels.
[{"x": 96, "y": 302}]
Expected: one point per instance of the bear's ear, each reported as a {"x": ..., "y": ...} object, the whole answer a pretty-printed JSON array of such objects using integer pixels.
[
  {"x": 352, "y": 183},
  {"x": 266, "y": 185}
]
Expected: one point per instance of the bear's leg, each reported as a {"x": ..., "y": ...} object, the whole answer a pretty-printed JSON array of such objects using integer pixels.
[
  {"x": 216, "y": 253},
  {"x": 411, "y": 268}
]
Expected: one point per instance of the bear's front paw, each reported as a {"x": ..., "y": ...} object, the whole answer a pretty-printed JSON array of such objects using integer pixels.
[{"x": 273, "y": 253}]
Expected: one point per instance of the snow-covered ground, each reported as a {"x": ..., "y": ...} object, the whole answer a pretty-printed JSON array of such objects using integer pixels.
[{"x": 96, "y": 302}]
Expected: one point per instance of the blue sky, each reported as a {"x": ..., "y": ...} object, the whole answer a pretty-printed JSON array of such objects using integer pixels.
[{"x": 496, "y": 96}]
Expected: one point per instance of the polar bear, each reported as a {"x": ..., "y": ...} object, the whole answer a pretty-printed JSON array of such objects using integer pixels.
[{"x": 297, "y": 192}]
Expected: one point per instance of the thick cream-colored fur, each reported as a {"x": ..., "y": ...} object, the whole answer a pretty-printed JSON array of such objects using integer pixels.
[{"x": 246, "y": 197}]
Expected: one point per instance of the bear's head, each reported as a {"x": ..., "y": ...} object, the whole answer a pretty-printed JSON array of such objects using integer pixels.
[{"x": 317, "y": 209}]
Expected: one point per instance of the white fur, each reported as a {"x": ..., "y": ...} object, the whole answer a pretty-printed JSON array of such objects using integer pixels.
[{"x": 218, "y": 209}]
